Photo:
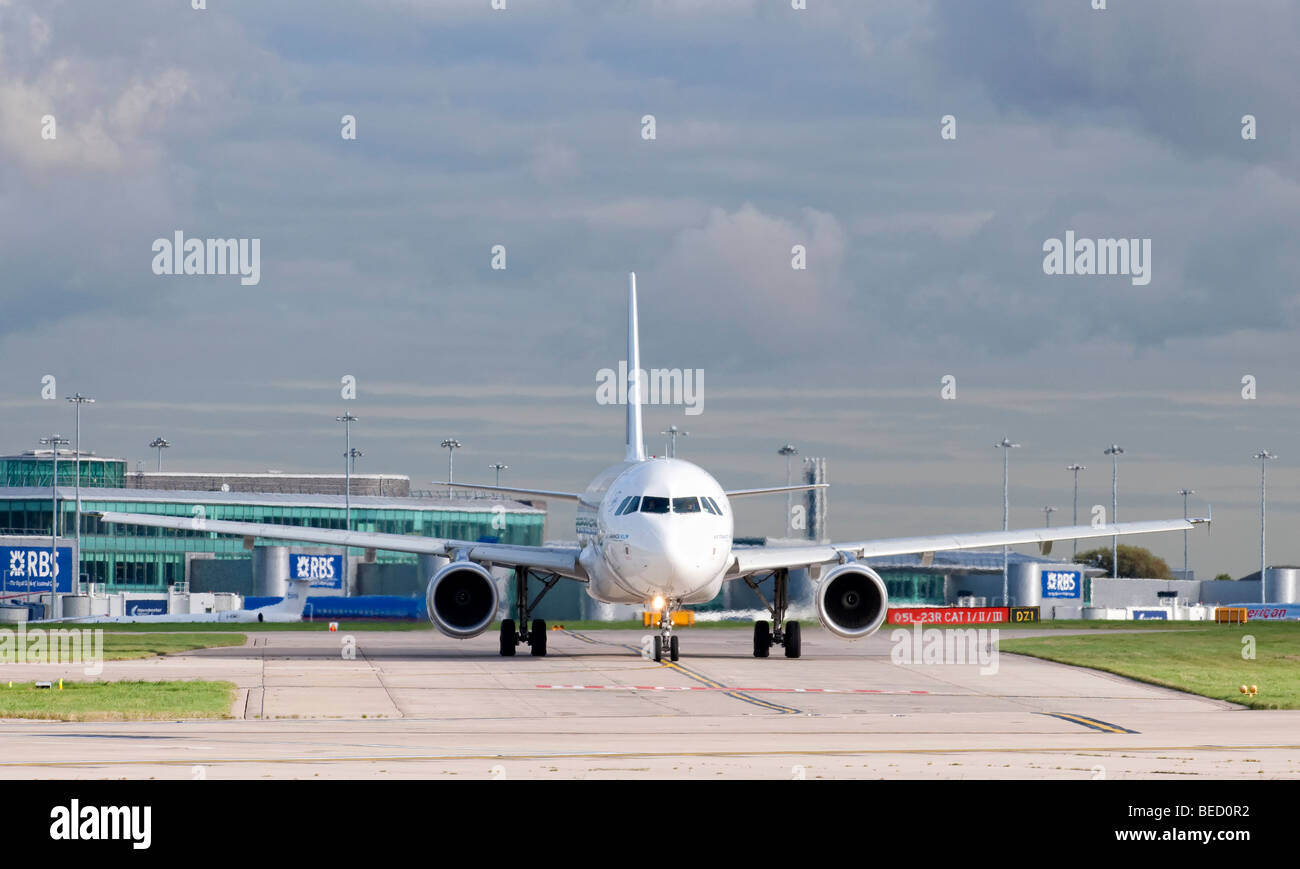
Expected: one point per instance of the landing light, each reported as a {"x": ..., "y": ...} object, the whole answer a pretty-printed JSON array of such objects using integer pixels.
[{"x": 657, "y": 604}]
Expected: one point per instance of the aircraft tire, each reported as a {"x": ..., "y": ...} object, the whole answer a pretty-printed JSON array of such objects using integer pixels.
[{"x": 762, "y": 639}]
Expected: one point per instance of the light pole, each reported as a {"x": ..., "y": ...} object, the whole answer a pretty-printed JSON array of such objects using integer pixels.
[
  {"x": 1006, "y": 446},
  {"x": 1047, "y": 513},
  {"x": 673, "y": 432},
  {"x": 1114, "y": 451},
  {"x": 159, "y": 444},
  {"x": 78, "y": 400},
  {"x": 498, "y": 467},
  {"x": 347, "y": 419},
  {"x": 450, "y": 445},
  {"x": 1263, "y": 456},
  {"x": 54, "y": 441},
  {"x": 1185, "y": 493},
  {"x": 354, "y": 454},
  {"x": 1076, "y": 468},
  {"x": 788, "y": 450}
]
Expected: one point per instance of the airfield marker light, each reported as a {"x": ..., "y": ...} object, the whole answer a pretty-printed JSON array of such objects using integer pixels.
[{"x": 334, "y": 626}]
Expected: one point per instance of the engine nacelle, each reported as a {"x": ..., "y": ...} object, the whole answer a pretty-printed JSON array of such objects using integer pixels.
[
  {"x": 852, "y": 601},
  {"x": 462, "y": 599}
]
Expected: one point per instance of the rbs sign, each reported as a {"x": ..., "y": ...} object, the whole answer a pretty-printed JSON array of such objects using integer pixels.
[
  {"x": 28, "y": 569},
  {"x": 325, "y": 571},
  {"x": 1062, "y": 583}
]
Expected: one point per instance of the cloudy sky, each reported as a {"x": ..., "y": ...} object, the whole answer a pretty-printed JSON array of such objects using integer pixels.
[{"x": 774, "y": 127}]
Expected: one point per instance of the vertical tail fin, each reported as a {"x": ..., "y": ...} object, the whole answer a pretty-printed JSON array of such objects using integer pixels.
[
  {"x": 294, "y": 601},
  {"x": 635, "y": 443}
]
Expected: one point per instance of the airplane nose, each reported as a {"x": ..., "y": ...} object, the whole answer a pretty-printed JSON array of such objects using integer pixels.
[{"x": 687, "y": 562}]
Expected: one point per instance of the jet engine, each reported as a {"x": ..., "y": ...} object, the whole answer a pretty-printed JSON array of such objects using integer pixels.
[
  {"x": 462, "y": 599},
  {"x": 852, "y": 601}
]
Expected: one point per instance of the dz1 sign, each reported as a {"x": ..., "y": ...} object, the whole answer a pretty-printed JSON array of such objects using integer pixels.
[
  {"x": 1062, "y": 583},
  {"x": 324, "y": 571},
  {"x": 30, "y": 569}
]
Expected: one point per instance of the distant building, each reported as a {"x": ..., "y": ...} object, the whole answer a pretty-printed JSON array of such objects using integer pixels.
[{"x": 135, "y": 558}]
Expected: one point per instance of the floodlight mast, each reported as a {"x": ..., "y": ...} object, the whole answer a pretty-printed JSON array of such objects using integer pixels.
[
  {"x": 1114, "y": 451},
  {"x": 1006, "y": 446}
]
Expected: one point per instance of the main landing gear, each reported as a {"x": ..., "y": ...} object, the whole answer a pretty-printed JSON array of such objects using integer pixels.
[
  {"x": 769, "y": 634},
  {"x": 665, "y": 643},
  {"x": 534, "y": 637}
]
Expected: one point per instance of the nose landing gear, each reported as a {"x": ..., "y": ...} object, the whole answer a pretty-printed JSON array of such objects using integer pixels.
[
  {"x": 665, "y": 642},
  {"x": 769, "y": 634}
]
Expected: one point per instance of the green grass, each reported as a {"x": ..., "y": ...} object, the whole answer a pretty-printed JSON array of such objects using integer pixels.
[
  {"x": 117, "y": 701},
  {"x": 127, "y": 646},
  {"x": 1205, "y": 660}
]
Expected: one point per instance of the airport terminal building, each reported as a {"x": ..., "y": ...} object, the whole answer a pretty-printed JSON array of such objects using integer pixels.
[{"x": 140, "y": 559}]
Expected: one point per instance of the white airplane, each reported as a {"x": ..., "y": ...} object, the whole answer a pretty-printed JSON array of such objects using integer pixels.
[
  {"x": 656, "y": 532},
  {"x": 288, "y": 609}
]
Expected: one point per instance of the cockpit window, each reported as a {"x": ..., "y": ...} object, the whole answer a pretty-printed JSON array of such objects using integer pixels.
[
  {"x": 622, "y": 508},
  {"x": 716, "y": 508},
  {"x": 654, "y": 504},
  {"x": 686, "y": 505},
  {"x": 629, "y": 505},
  {"x": 708, "y": 505}
]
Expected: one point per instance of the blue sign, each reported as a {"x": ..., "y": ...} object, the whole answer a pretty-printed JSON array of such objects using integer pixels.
[
  {"x": 1062, "y": 583},
  {"x": 30, "y": 569},
  {"x": 145, "y": 606},
  {"x": 1147, "y": 615},
  {"x": 325, "y": 571}
]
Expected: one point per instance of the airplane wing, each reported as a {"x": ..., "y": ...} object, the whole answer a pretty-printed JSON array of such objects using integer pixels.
[
  {"x": 742, "y": 493},
  {"x": 557, "y": 559},
  {"x": 751, "y": 560},
  {"x": 541, "y": 493}
]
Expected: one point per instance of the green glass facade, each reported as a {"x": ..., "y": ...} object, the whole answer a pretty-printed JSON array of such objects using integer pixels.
[
  {"x": 35, "y": 471},
  {"x": 913, "y": 588},
  {"x": 137, "y": 558}
]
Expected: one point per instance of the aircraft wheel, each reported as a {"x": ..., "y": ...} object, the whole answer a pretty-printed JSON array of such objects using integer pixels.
[
  {"x": 672, "y": 649},
  {"x": 659, "y": 649},
  {"x": 793, "y": 643},
  {"x": 509, "y": 637},
  {"x": 538, "y": 637},
  {"x": 762, "y": 639}
]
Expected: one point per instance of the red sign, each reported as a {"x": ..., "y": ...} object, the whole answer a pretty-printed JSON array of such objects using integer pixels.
[{"x": 934, "y": 615}]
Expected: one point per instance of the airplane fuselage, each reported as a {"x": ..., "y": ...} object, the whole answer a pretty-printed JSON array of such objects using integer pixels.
[{"x": 656, "y": 528}]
